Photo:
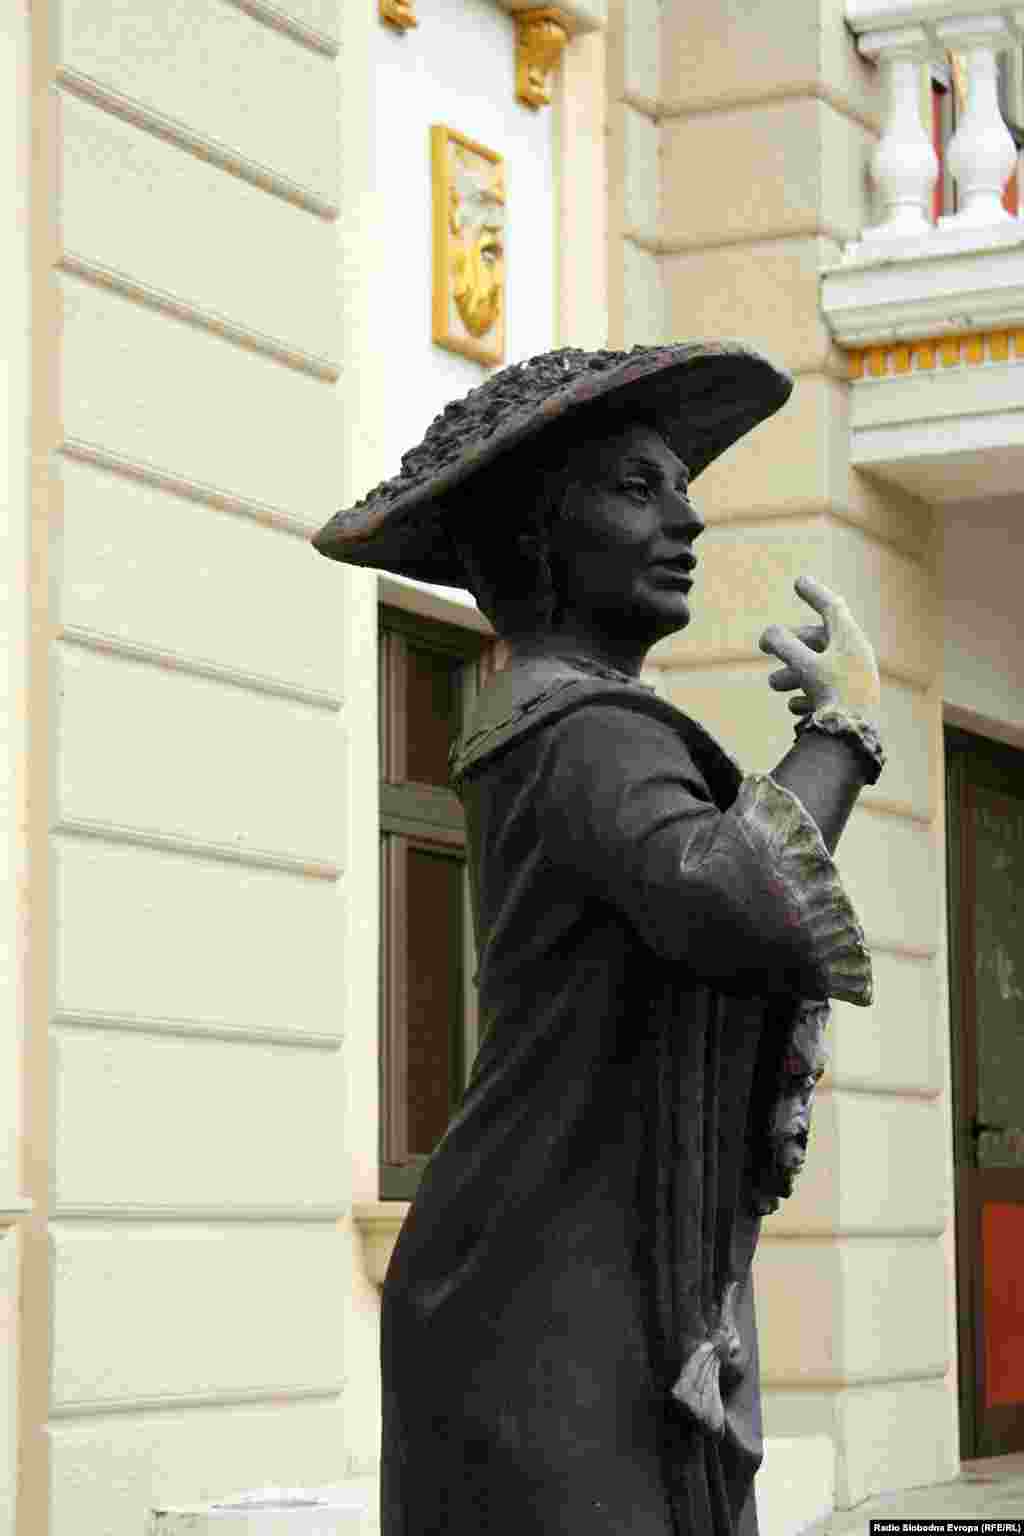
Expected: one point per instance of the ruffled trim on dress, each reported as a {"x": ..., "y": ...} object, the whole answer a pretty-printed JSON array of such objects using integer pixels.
[{"x": 781, "y": 832}]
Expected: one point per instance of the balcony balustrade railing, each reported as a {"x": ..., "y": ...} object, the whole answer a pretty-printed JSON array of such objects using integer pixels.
[
  {"x": 931, "y": 314},
  {"x": 902, "y": 36}
]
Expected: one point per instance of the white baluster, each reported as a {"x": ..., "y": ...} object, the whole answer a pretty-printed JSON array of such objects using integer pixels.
[
  {"x": 904, "y": 165},
  {"x": 981, "y": 154}
]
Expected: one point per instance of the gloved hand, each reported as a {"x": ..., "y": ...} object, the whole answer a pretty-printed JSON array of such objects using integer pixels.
[{"x": 833, "y": 663}]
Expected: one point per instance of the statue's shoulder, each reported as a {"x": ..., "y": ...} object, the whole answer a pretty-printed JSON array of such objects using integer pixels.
[{"x": 529, "y": 695}]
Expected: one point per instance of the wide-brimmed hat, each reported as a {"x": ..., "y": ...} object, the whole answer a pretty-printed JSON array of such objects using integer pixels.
[{"x": 701, "y": 396}]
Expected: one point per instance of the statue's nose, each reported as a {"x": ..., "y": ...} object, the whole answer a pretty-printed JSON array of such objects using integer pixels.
[{"x": 683, "y": 520}]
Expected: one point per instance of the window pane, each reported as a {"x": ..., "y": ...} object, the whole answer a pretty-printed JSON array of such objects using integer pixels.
[
  {"x": 434, "y": 993},
  {"x": 431, "y": 715},
  {"x": 996, "y": 824}
]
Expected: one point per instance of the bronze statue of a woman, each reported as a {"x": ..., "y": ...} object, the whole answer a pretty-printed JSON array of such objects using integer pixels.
[{"x": 568, "y": 1340}]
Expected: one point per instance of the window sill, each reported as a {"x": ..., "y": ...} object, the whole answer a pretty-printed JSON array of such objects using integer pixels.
[
  {"x": 444, "y": 605},
  {"x": 379, "y": 1223}
]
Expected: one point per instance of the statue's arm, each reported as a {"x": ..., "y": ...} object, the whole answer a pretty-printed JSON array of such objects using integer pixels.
[
  {"x": 833, "y": 666},
  {"x": 747, "y": 900},
  {"x": 826, "y": 773}
]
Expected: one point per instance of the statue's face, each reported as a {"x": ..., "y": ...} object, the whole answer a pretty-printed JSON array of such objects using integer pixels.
[
  {"x": 801, "y": 1071},
  {"x": 624, "y": 552}
]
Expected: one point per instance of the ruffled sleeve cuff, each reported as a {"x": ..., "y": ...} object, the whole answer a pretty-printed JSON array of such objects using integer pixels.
[{"x": 782, "y": 835}]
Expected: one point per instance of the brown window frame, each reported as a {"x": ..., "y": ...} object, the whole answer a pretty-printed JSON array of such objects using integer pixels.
[{"x": 429, "y": 818}]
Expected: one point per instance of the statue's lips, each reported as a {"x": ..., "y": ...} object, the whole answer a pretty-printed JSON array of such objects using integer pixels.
[{"x": 680, "y": 576}]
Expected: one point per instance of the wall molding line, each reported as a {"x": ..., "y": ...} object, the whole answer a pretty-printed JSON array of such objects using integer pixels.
[
  {"x": 115, "y": 281},
  {"x": 174, "y": 132},
  {"x": 926, "y": 1232},
  {"x": 866, "y": 1088},
  {"x": 199, "y": 1215},
  {"x": 196, "y": 848},
  {"x": 190, "y": 1029},
  {"x": 197, "y": 666},
  {"x": 691, "y": 662},
  {"x": 898, "y": 808},
  {"x": 907, "y": 545},
  {"x": 724, "y": 658},
  {"x": 271, "y": 1396},
  {"x": 797, "y": 229},
  {"x": 907, "y": 677},
  {"x": 181, "y": 485},
  {"x": 830, "y": 365},
  {"x": 281, "y": 21},
  {"x": 923, "y": 952},
  {"x": 718, "y": 659},
  {"x": 914, "y": 550},
  {"x": 647, "y": 106},
  {"x": 749, "y": 101},
  {"x": 818, "y": 1381}
]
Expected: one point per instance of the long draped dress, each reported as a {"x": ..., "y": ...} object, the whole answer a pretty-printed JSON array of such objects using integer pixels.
[{"x": 568, "y": 1337}]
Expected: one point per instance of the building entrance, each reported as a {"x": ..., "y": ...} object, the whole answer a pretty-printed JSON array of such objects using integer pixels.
[{"x": 985, "y": 801}]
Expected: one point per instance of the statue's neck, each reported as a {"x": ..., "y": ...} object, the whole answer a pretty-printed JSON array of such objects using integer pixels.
[{"x": 574, "y": 642}]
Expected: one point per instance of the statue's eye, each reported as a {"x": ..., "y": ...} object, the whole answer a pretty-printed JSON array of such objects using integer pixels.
[{"x": 635, "y": 486}]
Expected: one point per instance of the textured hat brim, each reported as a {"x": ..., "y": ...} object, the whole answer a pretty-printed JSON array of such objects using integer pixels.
[{"x": 702, "y": 397}]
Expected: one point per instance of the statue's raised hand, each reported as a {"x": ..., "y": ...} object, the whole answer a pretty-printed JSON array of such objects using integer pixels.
[{"x": 832, "y": 663}]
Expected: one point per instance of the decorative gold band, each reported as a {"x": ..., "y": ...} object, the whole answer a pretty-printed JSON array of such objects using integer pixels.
[{"x": 971, "y": 348}]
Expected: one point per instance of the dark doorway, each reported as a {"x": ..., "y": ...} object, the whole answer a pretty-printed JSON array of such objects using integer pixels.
[{"x": 985, "y": 840}]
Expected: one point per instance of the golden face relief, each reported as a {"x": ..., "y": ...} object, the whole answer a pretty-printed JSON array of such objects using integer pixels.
[{"x": 477, "y": 217}]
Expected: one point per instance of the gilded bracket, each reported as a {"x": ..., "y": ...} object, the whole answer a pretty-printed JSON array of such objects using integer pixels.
[
  {"x": 398, "y": 13},
  {"x": 541, "y": 35}
]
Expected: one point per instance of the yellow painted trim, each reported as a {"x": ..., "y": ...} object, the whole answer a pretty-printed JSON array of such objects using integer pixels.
[{"x": 973, "y": 348}]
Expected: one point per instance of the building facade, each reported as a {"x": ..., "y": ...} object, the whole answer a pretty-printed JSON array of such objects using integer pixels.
[{"x": 218, "y": 250}]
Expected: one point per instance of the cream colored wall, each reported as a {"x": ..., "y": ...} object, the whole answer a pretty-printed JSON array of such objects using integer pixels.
[
  {"x": 636, "y": 294},
  {"x": 580, "y": 168},
  {"x": 193, "y": 1311},
  {"x": 983, "y": 648},
  {"x": 15, "y": 362},
  {"x": 742, "y": 158},
  {"x": 232, "y": 306}
]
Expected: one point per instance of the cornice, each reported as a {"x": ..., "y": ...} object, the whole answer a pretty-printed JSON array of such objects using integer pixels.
[
  {"x": 941, "y": 289},
  {"x": 871, "y": 15}
]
